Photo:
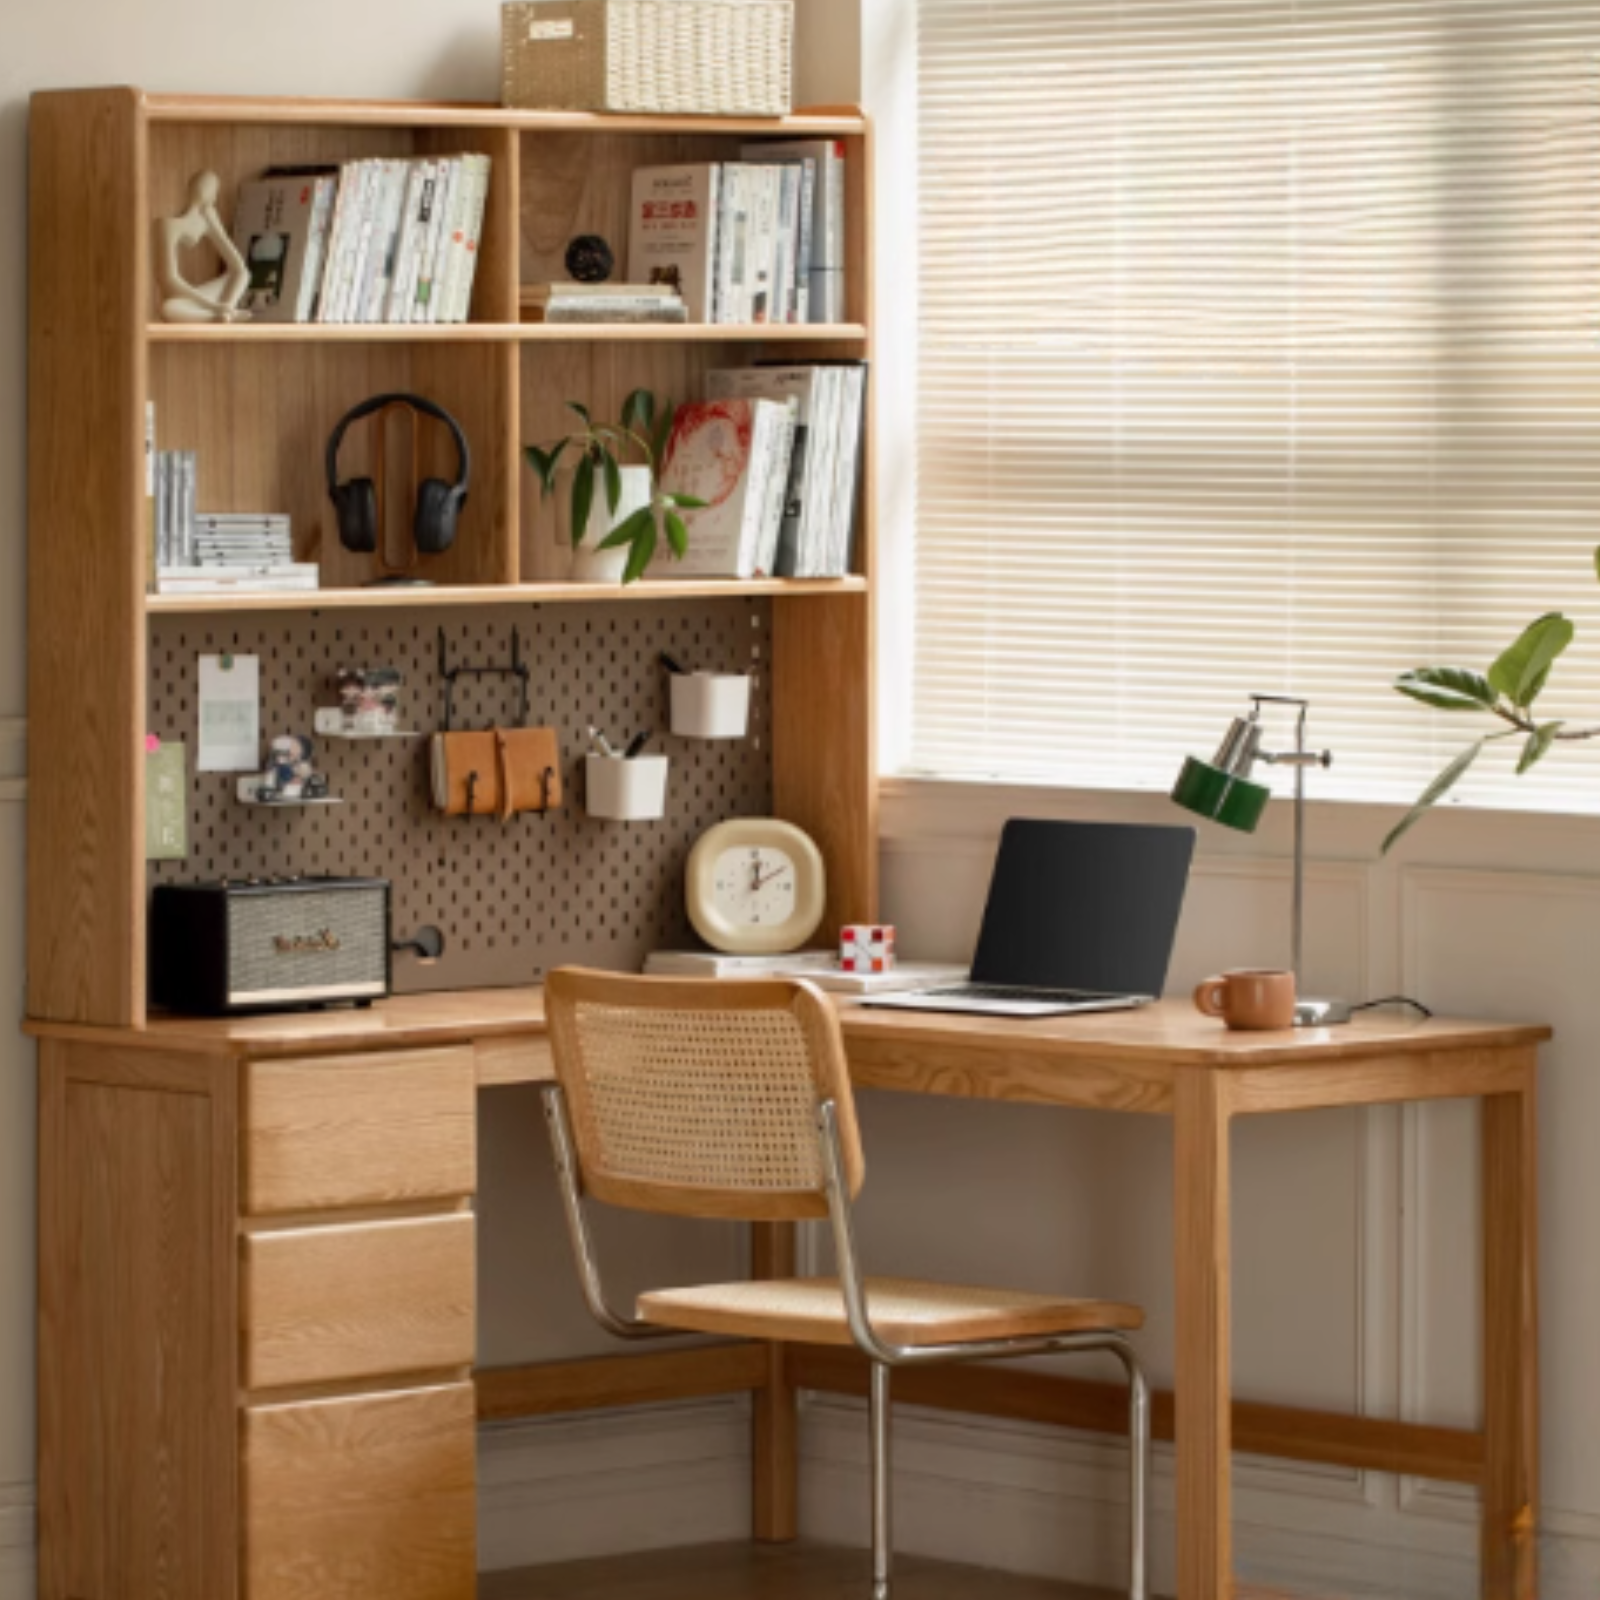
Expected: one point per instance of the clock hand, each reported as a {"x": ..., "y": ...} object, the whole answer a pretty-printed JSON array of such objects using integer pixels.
[{"x": 761, "y": 883}]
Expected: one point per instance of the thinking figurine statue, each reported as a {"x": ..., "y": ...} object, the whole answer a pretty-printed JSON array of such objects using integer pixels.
[{"x": 218, "y": 300}]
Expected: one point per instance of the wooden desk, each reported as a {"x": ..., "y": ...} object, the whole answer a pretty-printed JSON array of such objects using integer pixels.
[{"x": 256, "y": 1254}]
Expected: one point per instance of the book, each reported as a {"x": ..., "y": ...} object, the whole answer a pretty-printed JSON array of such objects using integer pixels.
[
  {"x": 672, "y": 232},
  {"x": 479, "y": 168},
  {"x": 722, "y": 452},
  {"x": 414, "y": 223},
  {"x": 761, "y": 252},
  {"x": 648, "y": 293},
  {"x": 151, "y": 553},
  {"x": 276, "y": 228},
  {"x": 828, "y": 282},
  {"x": 454, "y": 249},
  {"x": 785, "y": 278},
  {"x": 799, "y": 386},
  {"x": 820, "y": 967},
  {"x": 355, "y": 179},
  {"x": 732, "y": 244},
  {"x": 602, "y": 311},
  {"x": 381, "y": 258},
  {"x": 287, "y": 578},
  {"x": 426, "y": 307}
]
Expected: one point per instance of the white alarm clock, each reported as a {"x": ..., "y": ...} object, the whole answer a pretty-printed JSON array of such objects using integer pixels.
[{"x": 755, "y": 886}]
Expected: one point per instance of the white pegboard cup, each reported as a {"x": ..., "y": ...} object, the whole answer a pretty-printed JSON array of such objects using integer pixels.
[
  {"x": 620, "y": 790},
  {"x": 711, "y": 705}
]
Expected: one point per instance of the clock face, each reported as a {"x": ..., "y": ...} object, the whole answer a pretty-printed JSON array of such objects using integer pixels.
[{"x": 755, "y": 886}]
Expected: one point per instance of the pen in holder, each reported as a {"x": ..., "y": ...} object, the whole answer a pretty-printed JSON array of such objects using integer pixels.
[{"x": 624, "y": 790}]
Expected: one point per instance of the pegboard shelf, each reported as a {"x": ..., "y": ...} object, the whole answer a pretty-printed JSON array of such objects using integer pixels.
[{"x": 487, "y": 594}]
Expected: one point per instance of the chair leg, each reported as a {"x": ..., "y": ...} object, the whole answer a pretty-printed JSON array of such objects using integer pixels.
[
  {"x": 882, "y": 1466},
  {"x": 1138, "y": 1471}
]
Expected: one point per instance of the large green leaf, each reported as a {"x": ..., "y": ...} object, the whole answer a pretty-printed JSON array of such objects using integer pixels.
[
  {"x": 1436, "y": 791},
  {"x": 684, "y": 502},
  {"x": 545, "y": 462},
  {"x": 644, "y": 547},
  {"x": 1539, "y": 742},
  {"x": 613, "y": 481},
  {"x": 582, "y": 499},
  {"x": 662, "y": 433},
  {"x": 582, "y": 411},
  {"x": 627, "y": 530},
  {"x": 677, "y": 535},
  {"x": 1520, "y": 673},
  {"x": 638, "y": 411},
  {"x": 1447, "y": 688}
]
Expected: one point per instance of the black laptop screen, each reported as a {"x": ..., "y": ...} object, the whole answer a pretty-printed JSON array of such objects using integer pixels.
[{"x": 1084, "y": 905}]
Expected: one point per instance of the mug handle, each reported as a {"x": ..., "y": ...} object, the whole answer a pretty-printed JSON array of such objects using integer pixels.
[{"x": 1210, "y": 999}]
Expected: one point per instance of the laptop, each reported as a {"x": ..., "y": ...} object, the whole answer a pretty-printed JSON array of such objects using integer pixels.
[{"x": 1081, "y": 916}]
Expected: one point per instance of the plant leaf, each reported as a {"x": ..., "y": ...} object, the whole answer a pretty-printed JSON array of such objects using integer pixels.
[
  {"x": 1447, "y": 688},
  {"x": 626, "y": 531},
  {"x": 1436, "y": 791},
  {"x": 644, "y": 547},
  {"x": 677, "y": 535},
  {"x": 583, "y": 411},
  {"x": 638, "y": 411},
  {"x": 613, "y": 481},
  {"x": 582, "y": 499},
  {"x": 662, "y": 433},
  {"x": 1539, "y": 742},
  {"x": 544, "y": 463},
  {"x": 1520, "y": 673},
  {"x": 684, "y": 502}
]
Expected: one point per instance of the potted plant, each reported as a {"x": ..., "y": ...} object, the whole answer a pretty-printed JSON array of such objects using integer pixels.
[
  {"x": 619, "y": 510},
  {"x": 1508, "y": 692}
]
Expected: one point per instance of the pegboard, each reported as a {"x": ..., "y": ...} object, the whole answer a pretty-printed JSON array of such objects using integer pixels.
[{"x": 512, "y": 899}]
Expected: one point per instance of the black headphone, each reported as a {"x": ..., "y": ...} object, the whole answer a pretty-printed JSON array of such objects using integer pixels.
[{"x": 438, "y": 503}]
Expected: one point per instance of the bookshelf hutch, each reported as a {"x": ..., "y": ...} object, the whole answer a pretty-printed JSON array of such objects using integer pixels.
[
  {"x": 257, "y": 403},
  {"x": 257, "y": 1247}
]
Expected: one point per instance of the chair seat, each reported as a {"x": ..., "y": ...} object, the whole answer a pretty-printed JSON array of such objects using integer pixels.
[{"x": 902, "y": 1310}]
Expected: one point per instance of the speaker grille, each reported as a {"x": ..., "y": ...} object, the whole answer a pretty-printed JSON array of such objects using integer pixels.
[{"x": 316, "y": 941}]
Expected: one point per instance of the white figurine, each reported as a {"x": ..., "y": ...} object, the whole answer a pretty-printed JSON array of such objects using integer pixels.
[{"x": 218, "y": 300}]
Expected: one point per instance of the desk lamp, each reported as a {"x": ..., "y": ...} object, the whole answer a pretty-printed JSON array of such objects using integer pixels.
[{"x": 1221, "y": 790}]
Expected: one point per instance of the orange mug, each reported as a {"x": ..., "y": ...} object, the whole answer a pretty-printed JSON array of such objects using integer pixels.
[{"x": 1249, "y": 999}]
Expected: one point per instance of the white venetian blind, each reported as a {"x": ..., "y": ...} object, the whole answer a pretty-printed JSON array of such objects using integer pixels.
[{"x": 1259, "y": 350}]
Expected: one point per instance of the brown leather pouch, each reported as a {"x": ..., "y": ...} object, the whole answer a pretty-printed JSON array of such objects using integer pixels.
[
  {"x": 530, "y": 770},
  {"x": 466, "y": 774}
]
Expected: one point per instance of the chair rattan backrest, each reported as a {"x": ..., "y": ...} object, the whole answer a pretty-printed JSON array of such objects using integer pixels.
[{"x": 699, "y": 1096}]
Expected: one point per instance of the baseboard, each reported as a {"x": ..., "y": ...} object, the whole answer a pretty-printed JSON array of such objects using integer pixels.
[
  {"x": 1049, "y": 1503},
  {"x": 565, "y": 1489},
  {"x": 17, "y": 1565}
]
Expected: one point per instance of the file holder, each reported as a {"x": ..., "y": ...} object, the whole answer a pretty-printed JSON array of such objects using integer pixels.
[
  {"x": 620, "y": 790},
  {"x": 710, "y": 705}
]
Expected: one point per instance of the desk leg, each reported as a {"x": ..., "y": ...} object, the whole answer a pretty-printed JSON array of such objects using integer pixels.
[
  {"x": 775, "y": 1448},
  {"x": 1508, "y": 1537},
  {"x": 1203, "y": 1400}
]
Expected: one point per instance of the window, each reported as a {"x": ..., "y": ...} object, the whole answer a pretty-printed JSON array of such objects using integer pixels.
[{"x": 1259, "y": 349}]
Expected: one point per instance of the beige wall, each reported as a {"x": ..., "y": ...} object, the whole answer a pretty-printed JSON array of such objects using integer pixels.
[{"x": 380, "y": 48}]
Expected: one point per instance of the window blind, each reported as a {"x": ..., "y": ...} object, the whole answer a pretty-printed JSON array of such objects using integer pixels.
[{"x": 1259, "y": 349}]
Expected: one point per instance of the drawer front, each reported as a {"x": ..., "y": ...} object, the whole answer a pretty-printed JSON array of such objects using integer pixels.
[
  {"x": 517, "y": 1058},
  {"x": 320, "y": 1305},
  {"x": 359, "y": 1130},
  {"x": 351, "y": 1499}
]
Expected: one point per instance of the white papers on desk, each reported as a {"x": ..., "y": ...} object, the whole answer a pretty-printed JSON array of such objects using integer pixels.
[
  {"x": 230, "y": 714},
  {"x": 820, "y": 967}
]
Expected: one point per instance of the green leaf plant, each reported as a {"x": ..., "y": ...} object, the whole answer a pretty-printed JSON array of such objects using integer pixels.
[
  {"x": 1509, "y": 692},
  {"x": 601, "y": 449}
]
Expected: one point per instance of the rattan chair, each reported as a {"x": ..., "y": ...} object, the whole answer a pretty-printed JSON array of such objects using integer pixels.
[{"x": 703, "y": 1098}]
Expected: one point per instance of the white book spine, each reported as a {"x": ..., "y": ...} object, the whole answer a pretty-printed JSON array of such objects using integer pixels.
[
  {"x": 405, "y": 241},
  {"x": 405, "y": 288},
  {"x": 821, "y": 506},
  {"x": 730, "y": 244},
  {"x": 316, "y": 249},
  {"x": 855, "y": 395},
  {"x": 477, "y": 208},
  {"x": 354, "y": 238},
  {"x": 338, "y": 229},
  {"x": 422, "y": 307},
  {"x": 777, "y": 489},
  {"x": 453, "y": 251},
  {"x": 763, "y": 242},
  {"x": 785, "y": 278},
  {"x": 350, "y": 303},
  {"x": 380, "y": 274}
]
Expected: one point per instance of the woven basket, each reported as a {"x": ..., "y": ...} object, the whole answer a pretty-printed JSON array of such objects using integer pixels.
[{"x": 689, "y": 57}]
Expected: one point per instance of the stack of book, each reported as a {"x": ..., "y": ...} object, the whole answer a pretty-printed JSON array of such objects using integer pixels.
[
  {"x": 371, "y": 241},
  {"x": 236, "y": 552},
  {"x": 753, "y": 241},
  {"x": 604, "y": 302},
  {"x": 827, "y": 401}
]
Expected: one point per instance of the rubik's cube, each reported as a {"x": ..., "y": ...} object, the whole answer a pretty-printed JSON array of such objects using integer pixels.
[{"x": 866, "y": 947}]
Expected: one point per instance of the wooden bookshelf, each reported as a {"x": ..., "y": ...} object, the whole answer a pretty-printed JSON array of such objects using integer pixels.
[{"x": 257, "y": 403}]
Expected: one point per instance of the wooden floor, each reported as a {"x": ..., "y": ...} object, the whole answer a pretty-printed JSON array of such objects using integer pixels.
[{"x": 763, "y": 1572}]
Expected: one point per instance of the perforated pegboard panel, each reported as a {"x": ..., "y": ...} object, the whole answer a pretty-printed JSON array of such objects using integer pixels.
[{"x": 512, "y": 899}]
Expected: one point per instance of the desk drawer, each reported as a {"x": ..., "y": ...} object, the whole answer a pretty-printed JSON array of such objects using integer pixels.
[
  {"x": 359, "y": 1130},
  {"x": 352, "y": 1499},
  {"x": 319, "y": 1305}
]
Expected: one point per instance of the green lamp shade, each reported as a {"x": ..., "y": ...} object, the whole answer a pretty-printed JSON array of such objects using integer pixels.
[{"x": 1218, "y": 796}]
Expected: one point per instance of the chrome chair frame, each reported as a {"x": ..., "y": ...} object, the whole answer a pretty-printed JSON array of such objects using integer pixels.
[{"x": 883, "y": 1354}]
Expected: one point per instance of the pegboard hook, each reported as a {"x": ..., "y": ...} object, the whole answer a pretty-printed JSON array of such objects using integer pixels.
[{"x": 518, "y": 670}]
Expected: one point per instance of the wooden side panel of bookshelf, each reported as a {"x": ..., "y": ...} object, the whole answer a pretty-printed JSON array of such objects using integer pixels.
[
  {"x": 86, "y": 513},
  {"x": 824, "y": 748}
]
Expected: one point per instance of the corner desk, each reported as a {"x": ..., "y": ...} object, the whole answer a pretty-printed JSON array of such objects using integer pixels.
[{"x": 257, "y": 1295}]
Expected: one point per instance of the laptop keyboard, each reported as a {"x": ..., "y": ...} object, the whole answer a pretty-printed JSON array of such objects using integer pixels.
[{"x": 1002, "y": 991}]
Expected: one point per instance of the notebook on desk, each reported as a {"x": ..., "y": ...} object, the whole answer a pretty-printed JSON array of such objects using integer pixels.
[{"x": 1081, "y": 916}]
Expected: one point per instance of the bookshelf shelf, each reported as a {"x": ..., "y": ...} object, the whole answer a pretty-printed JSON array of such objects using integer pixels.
[
  {"x": 287, "y": 333},
  {"x": 500, "y": 594}
]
